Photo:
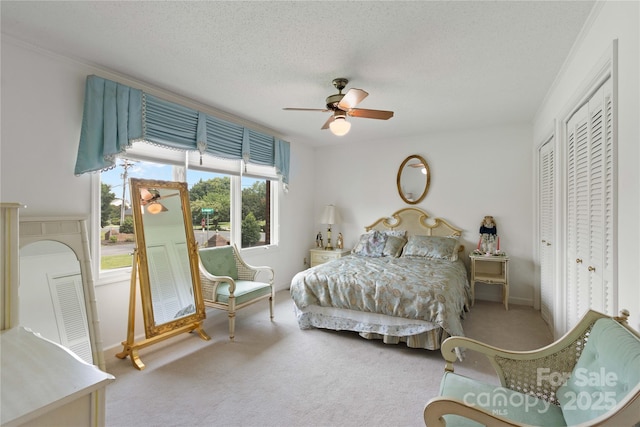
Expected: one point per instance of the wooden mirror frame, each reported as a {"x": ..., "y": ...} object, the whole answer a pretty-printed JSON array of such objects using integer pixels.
[
  {"x": 155, "y": 332},
  {"x": 403, "y": 196}
]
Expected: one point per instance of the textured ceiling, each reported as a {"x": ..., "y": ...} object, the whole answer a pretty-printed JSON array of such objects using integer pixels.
[{"x": 439, "y": 65}]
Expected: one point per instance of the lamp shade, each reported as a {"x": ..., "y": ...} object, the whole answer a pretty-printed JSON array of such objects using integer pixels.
[
  {"x": 340, "y": 126},
  {"x": 330, "y": 215}
]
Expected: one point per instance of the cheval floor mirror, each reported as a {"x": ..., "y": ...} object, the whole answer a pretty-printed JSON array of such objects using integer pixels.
[{"x": 165, "y": 264}]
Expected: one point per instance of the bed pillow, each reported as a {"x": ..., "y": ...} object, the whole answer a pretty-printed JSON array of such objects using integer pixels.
[
  {"x": 433, "y": 247},
  {"x": 396, "y": 233},
  {"x": 394, "y": 245},
  {"x": 371, "y": 244}
]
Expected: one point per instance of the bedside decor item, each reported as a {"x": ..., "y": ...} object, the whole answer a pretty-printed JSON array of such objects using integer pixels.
[
  {"x": 413, "y": 179},
  {"x": 319, "y": 241},
  {"x": 330, "y": 216},
  {"x": 489, "y": 242},
  {"x": 340, "y": 243}
]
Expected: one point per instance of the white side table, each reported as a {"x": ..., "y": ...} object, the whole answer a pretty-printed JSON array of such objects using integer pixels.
[
  {"x": 491, "y": 269},
  {"x": 320, "y": 256}
]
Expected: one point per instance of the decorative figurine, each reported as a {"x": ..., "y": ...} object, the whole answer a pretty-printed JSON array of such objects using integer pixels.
[
  {"x": 319, "y": 243},
  {"x": 488, "y": 226},
  {"x": 340, "y": 244},
  {"x": 489, "y": 241}
]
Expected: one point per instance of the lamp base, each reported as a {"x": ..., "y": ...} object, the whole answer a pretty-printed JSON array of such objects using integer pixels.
[{"x": 329, "y": 247}]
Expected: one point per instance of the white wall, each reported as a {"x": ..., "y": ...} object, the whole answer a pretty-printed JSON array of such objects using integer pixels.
[
  {"x": 473, "y": 173},
  {"x": 621, "y": 21},
  {"x": 42, "y": 98}
]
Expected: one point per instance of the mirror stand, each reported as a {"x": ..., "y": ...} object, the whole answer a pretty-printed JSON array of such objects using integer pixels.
[{"x": 130, "y": 346}]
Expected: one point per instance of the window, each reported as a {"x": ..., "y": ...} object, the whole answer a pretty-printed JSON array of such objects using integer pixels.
[
  {"x": 256, "y": 212},
  {"x": 230, "y": 203}
]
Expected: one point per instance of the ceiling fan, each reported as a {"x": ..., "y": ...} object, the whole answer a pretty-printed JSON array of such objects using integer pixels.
[
  {"x": 343, "y": 105},
  {"x": 150, "y": 197}
]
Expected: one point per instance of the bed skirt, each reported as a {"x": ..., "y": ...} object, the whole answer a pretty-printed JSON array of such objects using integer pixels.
[{"x": 391, "y": 330}]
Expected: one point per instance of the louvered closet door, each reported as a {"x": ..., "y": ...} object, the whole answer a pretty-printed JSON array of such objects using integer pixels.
[
  {"x": 546, "y": 206},
  {"x": 590, "y": 208}
]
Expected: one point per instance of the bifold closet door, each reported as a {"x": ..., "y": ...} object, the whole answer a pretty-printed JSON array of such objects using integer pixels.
[
  {"x": 590, "y": 208},
  {"x": 546, "y": 247}
]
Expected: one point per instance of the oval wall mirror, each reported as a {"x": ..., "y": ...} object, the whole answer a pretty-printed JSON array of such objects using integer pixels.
[{"x": 413, "y": 179}]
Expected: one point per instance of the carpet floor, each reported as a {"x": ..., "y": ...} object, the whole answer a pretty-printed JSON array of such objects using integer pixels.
[{"x": 275, "y": 374}]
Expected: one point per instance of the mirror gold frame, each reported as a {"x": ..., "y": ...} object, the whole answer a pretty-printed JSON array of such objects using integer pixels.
[
  {"x": 413, "y": 179},
  {"x": 166, "y": 261}
]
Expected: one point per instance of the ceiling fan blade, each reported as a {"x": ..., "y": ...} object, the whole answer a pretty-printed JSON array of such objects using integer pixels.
[
  {"x": 328, "y": 122},
  {"x": 352, "y": 98},
  {"x": 324, "y": 110},
  {"x": 370, "y": 114},
  {"x": 168, "y": 195},
  {"x": 146, "y": 195}
]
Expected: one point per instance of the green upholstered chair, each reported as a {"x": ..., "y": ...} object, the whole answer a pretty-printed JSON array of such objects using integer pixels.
[
  {"x": 229, "y": 283},
  {"x": 589, "y": 377}
]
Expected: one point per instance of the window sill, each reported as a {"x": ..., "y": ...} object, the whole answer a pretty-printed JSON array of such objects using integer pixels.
[{"x": 114, "y": 276}]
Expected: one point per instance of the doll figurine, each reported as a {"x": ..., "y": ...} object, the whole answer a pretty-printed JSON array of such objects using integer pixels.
[
  {"x": 488, "y": 226},
  {"x": 319, "y": 243},
  {"x": 488, "y": 235},
  {"x": 340, "y": 244}
]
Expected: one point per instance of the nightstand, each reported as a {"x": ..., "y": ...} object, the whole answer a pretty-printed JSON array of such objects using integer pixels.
[
  {"x": 491, "y": 269},
  {"x": 320, "y": 256}
]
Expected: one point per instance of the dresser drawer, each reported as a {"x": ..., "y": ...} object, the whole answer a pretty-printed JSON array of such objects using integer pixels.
[{"x": 319, "y": 256}]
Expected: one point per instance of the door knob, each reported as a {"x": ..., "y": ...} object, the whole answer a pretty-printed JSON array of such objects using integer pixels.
[
  {"x": 578, "y": 261},
  {"x": 591, "y": 268}
]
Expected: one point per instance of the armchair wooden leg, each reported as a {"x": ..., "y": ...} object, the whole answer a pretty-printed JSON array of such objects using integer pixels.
[
  {"x": 232, "y": 325},
  {"x": 232, "y": 318}
]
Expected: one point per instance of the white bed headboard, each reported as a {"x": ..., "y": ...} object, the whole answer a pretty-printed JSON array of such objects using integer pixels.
[{"x": 415, "y": 222}]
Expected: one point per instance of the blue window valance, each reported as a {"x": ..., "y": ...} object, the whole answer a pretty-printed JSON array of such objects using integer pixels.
[{"x": 116, "y": 115}]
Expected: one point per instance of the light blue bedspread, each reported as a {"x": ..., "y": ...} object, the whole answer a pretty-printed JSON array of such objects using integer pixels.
[{"x": 436, "y": 291}]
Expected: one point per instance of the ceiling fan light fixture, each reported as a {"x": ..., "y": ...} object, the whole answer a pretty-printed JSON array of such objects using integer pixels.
[
  {"x": 340, "y": 126},
  {"x": 155, "y": 208}
]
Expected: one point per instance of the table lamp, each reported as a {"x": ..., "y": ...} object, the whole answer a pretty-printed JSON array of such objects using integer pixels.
[{"x": 329, "y": 216}]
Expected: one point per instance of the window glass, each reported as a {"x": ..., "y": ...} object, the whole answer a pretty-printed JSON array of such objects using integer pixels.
[
  {"x": 256, "y": 212},
  {"x": 212, "y": 194},
  {"x": 117, "y": 239},
  {"x": 210, "y": 200}
]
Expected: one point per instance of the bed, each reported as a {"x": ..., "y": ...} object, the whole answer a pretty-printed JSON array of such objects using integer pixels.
[{"x": 403, "y": 282}]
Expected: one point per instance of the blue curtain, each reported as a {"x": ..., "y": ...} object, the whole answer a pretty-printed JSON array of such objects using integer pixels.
[
  {"x": 116, "y": 115},
  {"x": 281, "y": 161},
  {"x": 112, "y": 119}
]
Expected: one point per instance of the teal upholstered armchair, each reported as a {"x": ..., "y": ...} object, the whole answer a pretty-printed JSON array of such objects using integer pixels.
[
  {"x": 229, "y": 283},
  {"x": 589, "y": 377}
]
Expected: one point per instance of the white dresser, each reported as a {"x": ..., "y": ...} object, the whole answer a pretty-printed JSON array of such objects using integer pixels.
[{"x": 44, "y": 384}]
